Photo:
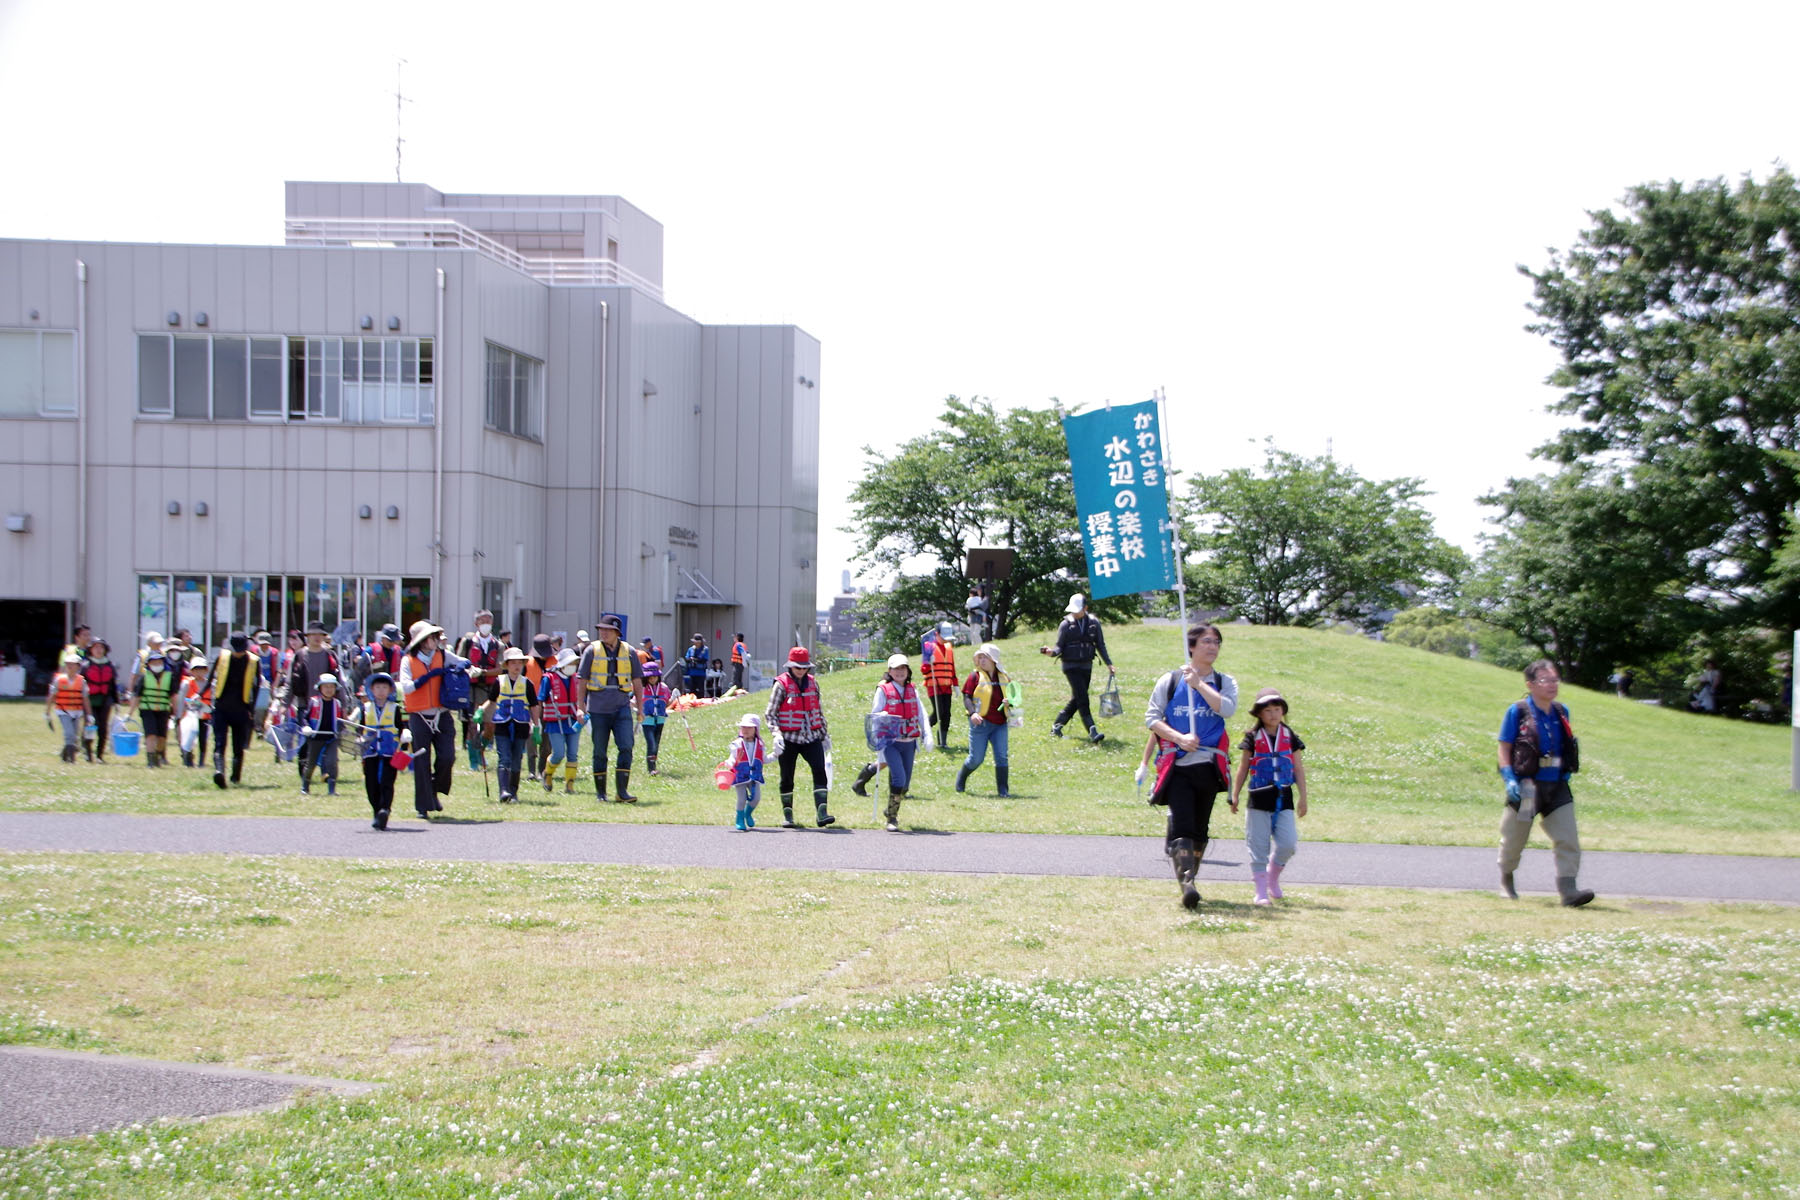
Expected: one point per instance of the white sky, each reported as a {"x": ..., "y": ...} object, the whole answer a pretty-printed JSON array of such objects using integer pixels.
[{"x": 1300, "y": 220}]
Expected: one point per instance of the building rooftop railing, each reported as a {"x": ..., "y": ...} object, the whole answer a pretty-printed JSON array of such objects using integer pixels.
[{"x": 433, "y": 234}]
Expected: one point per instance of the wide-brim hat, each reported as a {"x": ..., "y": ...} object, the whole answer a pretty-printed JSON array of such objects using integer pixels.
[
  {"x": 653, "y": 670},
  {"x": 799, "y": 656},
  {"x": 611, "y": 623},
  {"x": 751, "y": 720},
  {"x": 540, "y": 645},
  {"x": 566, "y": 658},
  {"x": 1267, "y": 697},
  {"x": 316, "y": 627},
  {"x": 326, "y": 678},
  {"x": 419, "y": 632},
  {"x": 514, "y": 654},
  {"x": 993, "y": 653}
]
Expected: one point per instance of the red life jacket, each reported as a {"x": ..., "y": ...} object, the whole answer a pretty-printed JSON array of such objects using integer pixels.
[
  {"x": 903, "y": 703},
  {"x": 799, "y": 712},
  {"x": 558, "y": 697},
  {"x": 315, "y": 709}
]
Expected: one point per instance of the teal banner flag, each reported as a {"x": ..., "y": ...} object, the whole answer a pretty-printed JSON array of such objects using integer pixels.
[{"x": 1121, "y": 498}]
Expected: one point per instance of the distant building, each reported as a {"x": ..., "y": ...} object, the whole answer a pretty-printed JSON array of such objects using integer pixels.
[{"x": 423, "y": 404}]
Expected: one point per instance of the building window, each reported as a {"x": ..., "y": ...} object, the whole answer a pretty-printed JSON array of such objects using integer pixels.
[
  {"x": 37, "y": 373},
  {"x": 212, "y": 606},
  {"x": 512, "y": 391},
  {"x": 493, "y": 598},
  {"x": 361, "y": 380}
]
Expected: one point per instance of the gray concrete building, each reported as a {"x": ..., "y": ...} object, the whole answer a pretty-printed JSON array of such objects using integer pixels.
[{"x": 420, "y": 405}]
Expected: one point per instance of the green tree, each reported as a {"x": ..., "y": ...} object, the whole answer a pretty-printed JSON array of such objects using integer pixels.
[
  {"x": 1307, "y": 540},
  {"x": 980, "y": 477},
  {"x": 1445, "y": 631},
  {"x": 1678, "y": 323}
]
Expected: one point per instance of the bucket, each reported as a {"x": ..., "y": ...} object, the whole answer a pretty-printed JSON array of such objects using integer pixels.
[{"x": 125, "y": 743}]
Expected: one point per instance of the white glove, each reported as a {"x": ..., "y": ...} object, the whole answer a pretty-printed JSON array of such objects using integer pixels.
[{"x": 1140, "y": 775}]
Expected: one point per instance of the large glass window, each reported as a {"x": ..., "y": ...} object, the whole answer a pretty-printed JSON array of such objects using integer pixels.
[
  {"x": 512, "y": 391},
  {"x": 195, "y": 377},
  {"x": 212, "y": 606},
  {"x": 37, "y": 373}
]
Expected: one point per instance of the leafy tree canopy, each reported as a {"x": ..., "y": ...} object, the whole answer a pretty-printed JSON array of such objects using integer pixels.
[
  {"x": 980, "y": 477},
  {"x": 1307, "y": 540}
]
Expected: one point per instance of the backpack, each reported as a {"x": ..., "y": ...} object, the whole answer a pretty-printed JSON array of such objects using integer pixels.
[{"x": 454, "y": 692}]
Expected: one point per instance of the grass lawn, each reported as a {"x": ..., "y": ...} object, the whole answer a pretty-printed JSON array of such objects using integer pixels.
[
  {"x": 546, "y": 1031},
  {"x": 1401, "y": 749}
]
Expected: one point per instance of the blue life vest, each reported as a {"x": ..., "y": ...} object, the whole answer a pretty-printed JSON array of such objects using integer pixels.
[
  {"x": 655, "y": 706},
  {"x": 453, "y": 692},
  {"x": 512, "y": 700},
  {"x": 1271, "y": 764},
  {"x": 1188, "y": 712}
]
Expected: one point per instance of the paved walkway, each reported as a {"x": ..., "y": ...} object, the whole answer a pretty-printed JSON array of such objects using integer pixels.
[{"x": 1668, "y": 876}]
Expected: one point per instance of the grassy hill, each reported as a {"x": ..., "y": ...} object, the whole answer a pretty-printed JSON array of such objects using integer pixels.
[{"x": 1401, "y": 749}]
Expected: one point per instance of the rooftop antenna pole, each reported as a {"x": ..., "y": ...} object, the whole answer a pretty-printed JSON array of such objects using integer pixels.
[{"x": 399, "y": 99}]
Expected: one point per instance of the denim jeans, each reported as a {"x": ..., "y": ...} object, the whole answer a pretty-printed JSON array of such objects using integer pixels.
[
  {"x": 1258, "y": 829},
  {"x": 613, "y": 726},
  {"x": 564, "y": 740},
  {"x": 983, "y": 734},
  {"x": 899, "y": 757}
]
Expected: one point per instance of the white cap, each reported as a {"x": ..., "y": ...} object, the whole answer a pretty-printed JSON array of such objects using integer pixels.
[
  {"x": 1077, "y": 602},
  {"x": 326, "y": 678},
  {"x": 897, "y": 660},
  {"x": 750, "y": 719}
]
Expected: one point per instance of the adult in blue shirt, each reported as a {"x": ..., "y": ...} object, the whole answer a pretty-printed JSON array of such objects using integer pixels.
[
  {"x": 693, "y": 666},
  {"x": 1538, "y": 753}
]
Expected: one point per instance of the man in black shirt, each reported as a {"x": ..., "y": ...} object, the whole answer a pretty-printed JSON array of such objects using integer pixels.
[
  {"x": 1078, "y": 639},
  {"x": 235, "y": 679}
]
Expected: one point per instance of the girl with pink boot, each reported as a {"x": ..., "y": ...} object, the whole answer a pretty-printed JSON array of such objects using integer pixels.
[{"x": 1273, "y": 765}]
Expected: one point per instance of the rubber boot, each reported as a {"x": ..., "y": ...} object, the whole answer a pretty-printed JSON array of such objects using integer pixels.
[
  {"x": 861, "y": 786},
  {"x": 962, "y": 776},
  {"x": 569, "y": 773},
  {"x": 305, "y": 781},
  {"x": 1506, "y": 886},
  {"x": 381, "y": 818},
  {"x": 650, "y": 763},
  {"x": 620, "y": 779},
  {"x": 1000, "y": 778},
  {"x": 1572, "y": 896},
  {"x": 820, "y": 795},
  {"x": 1094, "y": 735},
  {"x": 600, "y": 785},
  {"x": 750, "y": 815},
  {"x": 331, "y": 787},
  {"x": 1261, "y": 879},
  {"x": 740, "y": 826},
  {"x": 893, "y": 810},
  {"x": 504, "y": 778},
  {"x": 187, "y": 758},
  {"x": 1187, "y": 865},
  {"x": 87, "y": 745},
  {"x": 237, "y": 766},
  {"x": 1056, "y": 731},
  {"x": 1275, "y": 870},
  {"x": 219, "y": 769},
  {"x": 787, "y": 811},
  {"x": 549, "y": 781}
]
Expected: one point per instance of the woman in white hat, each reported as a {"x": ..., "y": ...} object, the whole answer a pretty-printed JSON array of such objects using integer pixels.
[
  {"x": 984, "y": 698},
  {"x": 897, "y": 730},
  {"x": 432, "y": 726}
]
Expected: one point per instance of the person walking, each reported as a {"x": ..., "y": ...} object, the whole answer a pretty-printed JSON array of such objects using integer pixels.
[
  {"x": 379, "y": 719},
  {"x": 196, "y": 698},
  {"x": 1187, "y": 712},
  {"x": 541, "y": 663},
  {"x": 484, "y": 652},
  {"x": 323, "y": 723},
  {"x": 984, "y": 701},
  {"x": 310, "y": 663},
  {"x": 654, "y": 712},
  {"x": 559, "y": 718},
  {"x": 610, "y": 682},
  {"x": 154, "y": 700},
  {"x": 512, "y": 712},
  {"x": 740, "y": 654},
  {"x": 235, "y": 681},
  {"x": 69, "y": 704},
  {"x": 1538, "y": 753},
  {"x": 103, "y": 692},
  {"x": 746, "y": 760},
  {"x": 1276, "y": 771},
  {"x": 938, "y": 666},
  {"x": 1078, "y": 639},
  {"x": 899, "y": 728},
  {"x": 798, "y": 715},
  {"x": 431, "y": 724}
]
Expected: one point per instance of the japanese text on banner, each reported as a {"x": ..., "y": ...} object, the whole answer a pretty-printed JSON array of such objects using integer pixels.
[{"x": 1121, "y": 499}]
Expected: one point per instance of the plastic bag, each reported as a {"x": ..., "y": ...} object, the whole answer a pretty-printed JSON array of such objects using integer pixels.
[
  {"x": 1110, "y": 704},
  {"x": 830, "y": 767}
]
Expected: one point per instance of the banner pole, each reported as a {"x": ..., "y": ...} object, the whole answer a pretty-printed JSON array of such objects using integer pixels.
[{"x": 1162, "y": 417}]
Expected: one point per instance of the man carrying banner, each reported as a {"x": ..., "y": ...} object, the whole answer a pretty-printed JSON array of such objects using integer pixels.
[
  {"x": 1078, "y": 639},
  {"x": 1187, "y": 712}
]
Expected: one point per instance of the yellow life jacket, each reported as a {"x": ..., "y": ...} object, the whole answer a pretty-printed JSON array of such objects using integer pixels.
[{"x": 617, "y": 673}]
